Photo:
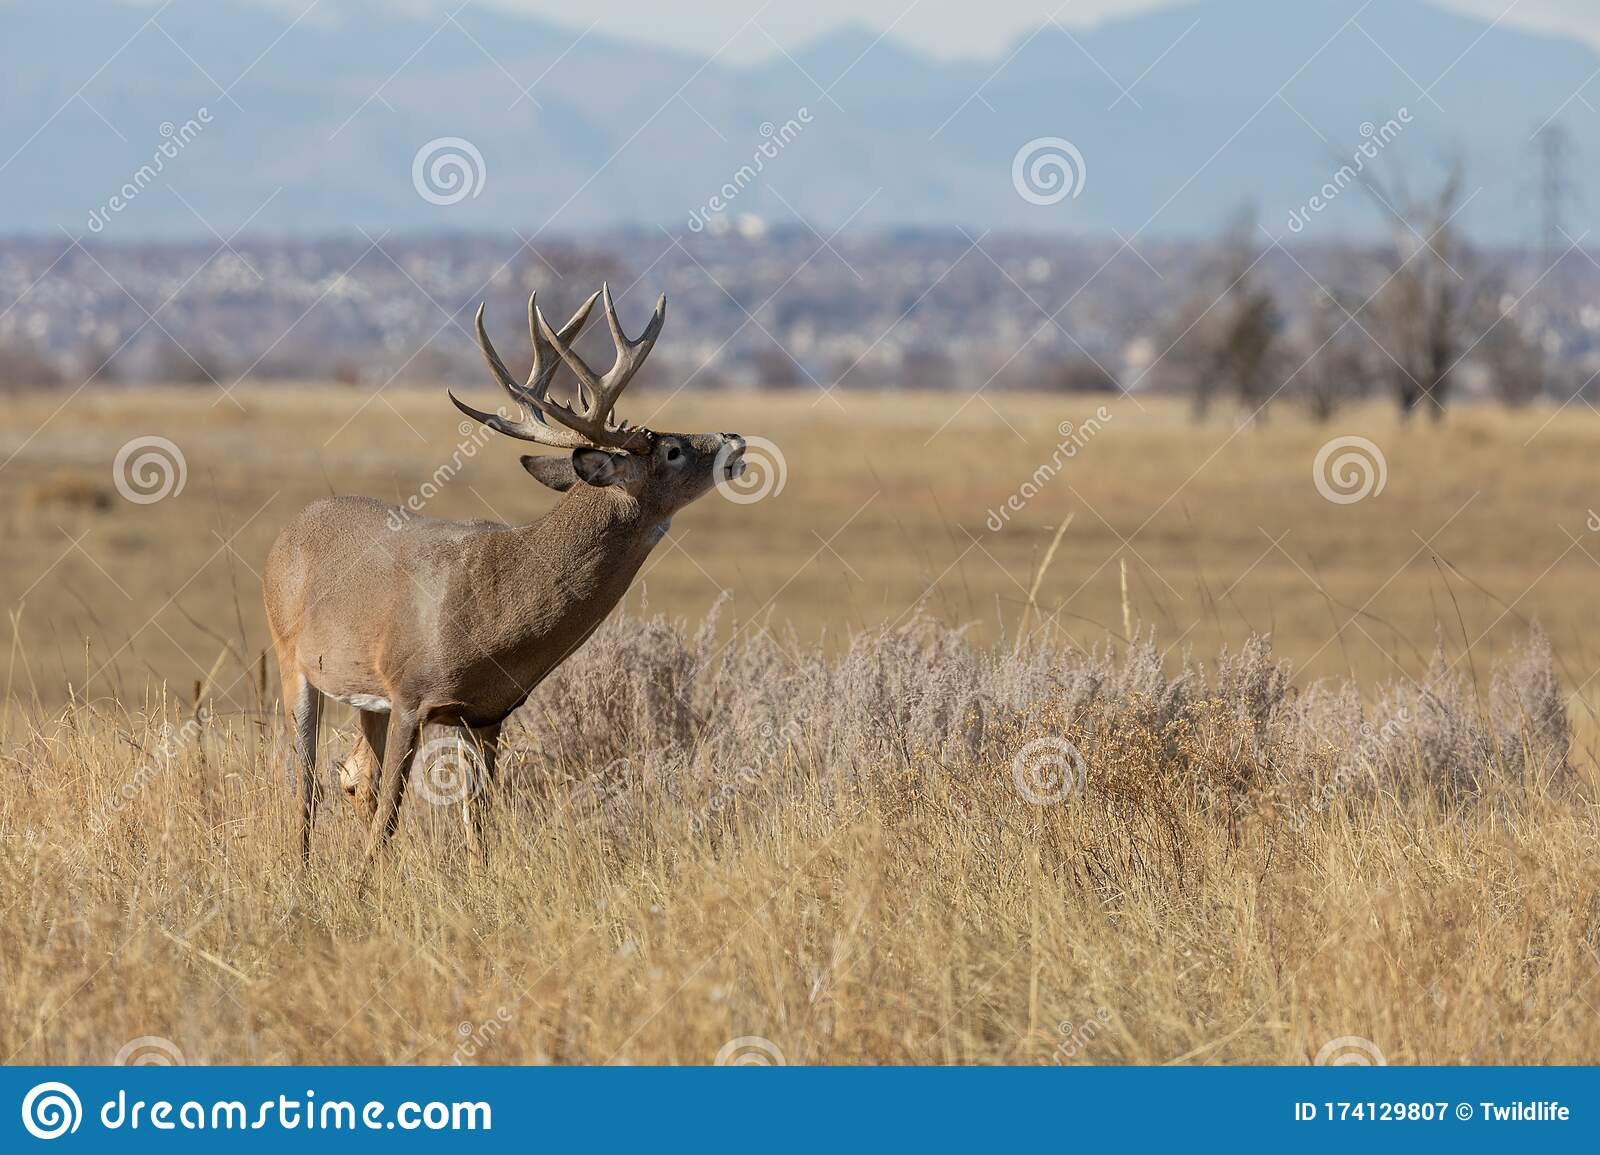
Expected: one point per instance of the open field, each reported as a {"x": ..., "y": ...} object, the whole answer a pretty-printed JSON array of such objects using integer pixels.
[
  {"x": 1481, "y": 527},
  {"x": 829, "y": 819}
]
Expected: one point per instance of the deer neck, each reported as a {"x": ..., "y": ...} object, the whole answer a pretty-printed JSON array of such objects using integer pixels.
[{"x": 581, "y": 557}]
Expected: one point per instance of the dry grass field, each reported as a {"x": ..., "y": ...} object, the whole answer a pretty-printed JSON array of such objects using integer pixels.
[
  {"x": 838, "y": 816},
  {"x": 1481, "y": 528}
]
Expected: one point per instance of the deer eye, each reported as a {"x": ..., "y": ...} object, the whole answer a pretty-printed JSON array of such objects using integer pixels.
[{"x": 674, "y": 453}]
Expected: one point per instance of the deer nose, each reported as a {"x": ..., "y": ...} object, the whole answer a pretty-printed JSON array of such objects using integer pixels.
[{"x": 732, "y": 456}]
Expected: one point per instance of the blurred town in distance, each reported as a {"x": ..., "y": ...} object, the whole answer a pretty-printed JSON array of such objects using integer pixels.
[{"x": 926, "y": 309}]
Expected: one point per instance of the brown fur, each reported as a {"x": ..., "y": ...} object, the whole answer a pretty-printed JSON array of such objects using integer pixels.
[{"x": 420, "y": 620}]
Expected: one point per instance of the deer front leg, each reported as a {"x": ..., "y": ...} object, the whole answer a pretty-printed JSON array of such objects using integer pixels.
[
  {"x": 480, "y": 795},
  {"x": 400, "y": 745}
]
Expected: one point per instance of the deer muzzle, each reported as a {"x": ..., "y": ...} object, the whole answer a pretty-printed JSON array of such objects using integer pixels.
[{"x": 732, "y": 456}]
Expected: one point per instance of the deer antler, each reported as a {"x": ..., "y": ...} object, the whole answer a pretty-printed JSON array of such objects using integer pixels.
[
  {"x": 597, "y": 396},
  {"x": 591, "y": 423}
]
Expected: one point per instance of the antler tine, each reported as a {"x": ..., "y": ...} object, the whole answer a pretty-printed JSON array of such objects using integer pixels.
[
  {"x": 533, "y": 396},
  {"x": 545, "y": 366},
  {"x": 597, "y": 396},
  {"x": 532, "y": 429},
  {"x": 630, "y": 354},
  {"x": 588, "y": 382},
  {"x": 496, "y": 366}
]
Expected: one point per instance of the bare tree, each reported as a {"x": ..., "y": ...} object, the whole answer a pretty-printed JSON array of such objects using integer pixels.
[
  {"x": 1333, "y": 365},
  {"x": 1510, "y": 353},
  {"x": 775, "y": 369},
  {"x": 1227, "y": 333},
  {"x": 1082, "y": 375},
  {"x": 174, "y": 364},
  {"x": 927, "y": 367},
  {"x": 23, "y": 366},
  {"x": 1420, "y": 311}
]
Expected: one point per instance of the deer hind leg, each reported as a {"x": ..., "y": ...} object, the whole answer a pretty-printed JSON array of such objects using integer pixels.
[
  {"x": 400, "y": 746},
  {"x": 359, "y": 773},
  {"x": 480, "y": 794},
  {"x": 303, "y": 702}
]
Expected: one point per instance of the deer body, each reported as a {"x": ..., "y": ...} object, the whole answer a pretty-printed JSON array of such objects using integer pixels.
[
  {"x": 418, "y": 620},
  {"x": 464, "y": 618}
]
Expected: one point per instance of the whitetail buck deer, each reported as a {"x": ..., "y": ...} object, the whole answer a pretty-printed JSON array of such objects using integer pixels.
[{"x": 416, "y": 620}]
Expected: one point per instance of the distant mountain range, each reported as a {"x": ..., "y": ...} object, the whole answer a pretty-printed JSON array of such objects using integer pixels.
[{"x": 1178, "y": 116}]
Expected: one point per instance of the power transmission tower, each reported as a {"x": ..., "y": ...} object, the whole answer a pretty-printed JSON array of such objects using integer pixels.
[{"x": 1553, "y": 149}]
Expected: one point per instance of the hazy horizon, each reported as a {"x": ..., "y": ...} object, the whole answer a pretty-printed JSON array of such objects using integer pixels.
[{"x": 936, "y": 30}]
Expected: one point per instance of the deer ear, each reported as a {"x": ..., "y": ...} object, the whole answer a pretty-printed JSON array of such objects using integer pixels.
[
  {"x": 555, "y": 472},
  {"x": 600, "y": 468}
]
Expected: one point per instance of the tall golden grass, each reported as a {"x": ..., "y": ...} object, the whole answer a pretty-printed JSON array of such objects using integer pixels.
[{"x": 882, "y": 852}]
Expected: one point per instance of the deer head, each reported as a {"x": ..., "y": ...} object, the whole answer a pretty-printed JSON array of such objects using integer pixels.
[{"x": 663, "y": 472}]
